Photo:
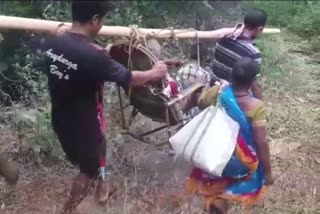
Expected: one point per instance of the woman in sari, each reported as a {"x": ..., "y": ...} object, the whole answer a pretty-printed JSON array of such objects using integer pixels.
[{"x": 249, "y": 170}]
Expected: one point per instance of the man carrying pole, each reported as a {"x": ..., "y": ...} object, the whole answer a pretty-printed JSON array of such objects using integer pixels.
[
  {"x": 231, "y": 49},
  {"x": 76, "y": 72}
]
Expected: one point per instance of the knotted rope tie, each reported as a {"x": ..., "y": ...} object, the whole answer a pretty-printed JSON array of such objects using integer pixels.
[
  {"x": 198, "y": 48},
  {"x": 135, "y": 36}
]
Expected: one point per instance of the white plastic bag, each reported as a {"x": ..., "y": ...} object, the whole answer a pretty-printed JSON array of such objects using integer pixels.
[{"x": 208, "y": 140}]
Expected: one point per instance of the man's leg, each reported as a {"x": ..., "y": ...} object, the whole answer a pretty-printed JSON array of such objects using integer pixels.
[
  {"x": 80, "y": 188},
  {"x": 104, "y": 187},
  {"x": 74, "y": 144}
]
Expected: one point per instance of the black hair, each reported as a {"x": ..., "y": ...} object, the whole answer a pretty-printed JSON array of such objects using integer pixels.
[
  {"x": 194, "y": 51},
  {"x": 255, "y": 18},
  {"x": 244, "y": 72},
  {"x": 83, "y": 11}
]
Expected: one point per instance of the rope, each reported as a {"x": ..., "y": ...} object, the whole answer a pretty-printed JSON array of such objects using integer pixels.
[
  {"x": 129, "y": 58},
  {"x": 136, "y": 36},
  {"x": 198, "y": 48}
]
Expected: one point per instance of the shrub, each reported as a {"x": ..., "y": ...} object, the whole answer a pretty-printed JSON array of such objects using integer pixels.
[{"x": 300, "y": 17}]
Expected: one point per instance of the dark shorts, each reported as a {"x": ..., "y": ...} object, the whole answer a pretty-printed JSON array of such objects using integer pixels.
[{"x": 88, "y": 151}]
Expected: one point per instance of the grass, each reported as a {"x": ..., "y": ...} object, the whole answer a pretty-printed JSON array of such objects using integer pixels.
[{"x": 272, "y": 57}]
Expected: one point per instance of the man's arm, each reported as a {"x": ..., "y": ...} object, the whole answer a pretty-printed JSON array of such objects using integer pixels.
[
  {"x": 107, "y": 69},
  {"x": 140, "y": 78},
  {"x": 227, "y": 32}
]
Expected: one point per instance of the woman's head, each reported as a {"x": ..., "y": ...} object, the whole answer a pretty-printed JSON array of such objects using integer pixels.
[{"x": 244, "y": 73}]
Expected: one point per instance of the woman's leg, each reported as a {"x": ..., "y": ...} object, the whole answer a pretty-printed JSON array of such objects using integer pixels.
[{"x": 220, "y": 206}]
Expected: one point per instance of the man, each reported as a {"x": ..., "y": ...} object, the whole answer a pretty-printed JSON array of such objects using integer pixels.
[
  {"x": 231, "y": 49},
  {"x": 77, "y": 70},
  {"x": 193, "y": 71}
]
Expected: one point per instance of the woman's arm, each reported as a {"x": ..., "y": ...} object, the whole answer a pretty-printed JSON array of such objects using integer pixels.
[
  {"x": 262, "y": 147},
  {"x": 263, "y": 151},
  {"x": 207, "y": 97}
]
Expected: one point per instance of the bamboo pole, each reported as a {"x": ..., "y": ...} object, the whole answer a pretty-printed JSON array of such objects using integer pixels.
[{"x": 38, "y": 25}]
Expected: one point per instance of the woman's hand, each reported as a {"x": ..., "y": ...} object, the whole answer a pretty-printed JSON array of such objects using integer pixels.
[{"x": 222, "y": 84}]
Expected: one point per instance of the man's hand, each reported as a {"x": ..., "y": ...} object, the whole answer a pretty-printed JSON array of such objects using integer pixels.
[
  {"x": 159, "y": 70},
  {"x": 61, "y": 29},
  {"x": 232, "y": 32}
]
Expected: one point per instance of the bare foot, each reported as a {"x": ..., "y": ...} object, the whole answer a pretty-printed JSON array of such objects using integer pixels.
[
  {"x": 104, "y": 191},
  {"x": 219, "y": 207}
]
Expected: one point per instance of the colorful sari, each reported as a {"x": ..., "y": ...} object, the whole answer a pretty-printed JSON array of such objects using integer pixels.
[{"x": 243, "y": 178}]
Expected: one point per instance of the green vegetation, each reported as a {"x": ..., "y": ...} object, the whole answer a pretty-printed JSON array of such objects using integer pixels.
[{"x": 299, "y": 17}]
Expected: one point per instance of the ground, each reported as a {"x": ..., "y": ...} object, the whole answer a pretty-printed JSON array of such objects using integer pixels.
[{"x": 148, "y": 178}]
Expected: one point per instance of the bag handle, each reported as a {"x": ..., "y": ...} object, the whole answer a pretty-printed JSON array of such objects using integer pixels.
[
  {"x": 216, "y": 104},
  {"x": 203, "y": 131}
]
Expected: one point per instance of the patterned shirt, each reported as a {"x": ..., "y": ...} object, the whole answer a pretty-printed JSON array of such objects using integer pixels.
[
  {"x": 228, "y": 51},
  {"x": 193, "y": 72}
]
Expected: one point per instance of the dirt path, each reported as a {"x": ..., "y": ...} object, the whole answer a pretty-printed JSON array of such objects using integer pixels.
[{"x": 146, "y": 176}]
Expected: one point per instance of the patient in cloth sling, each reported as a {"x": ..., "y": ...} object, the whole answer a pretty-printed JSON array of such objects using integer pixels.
[
  {"x": 151, "y": 100},
  {"x": 188, "y": 75}
]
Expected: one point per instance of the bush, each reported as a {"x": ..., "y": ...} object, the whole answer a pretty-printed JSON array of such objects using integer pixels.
[
  {"x": 300, "y": 17},
  {"x": 20, "y": 70}
]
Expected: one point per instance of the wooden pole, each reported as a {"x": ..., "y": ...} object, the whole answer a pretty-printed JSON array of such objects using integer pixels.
[{"x": 38, "y": 25}]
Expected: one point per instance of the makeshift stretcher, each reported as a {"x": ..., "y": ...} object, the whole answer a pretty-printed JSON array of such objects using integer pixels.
[{"x": 147, "y": 100}]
